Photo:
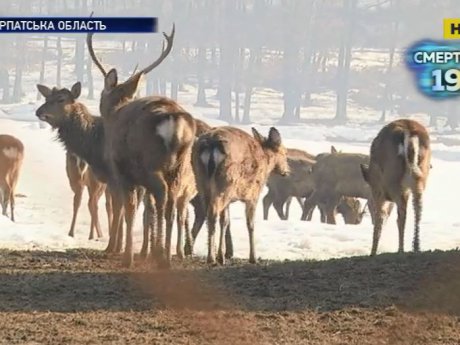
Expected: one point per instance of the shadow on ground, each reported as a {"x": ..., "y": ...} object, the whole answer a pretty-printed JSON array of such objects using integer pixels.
[{"x": 87, "y": 280}]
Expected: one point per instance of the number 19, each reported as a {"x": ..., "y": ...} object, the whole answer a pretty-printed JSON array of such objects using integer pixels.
[{"x": 449, "y": 80}]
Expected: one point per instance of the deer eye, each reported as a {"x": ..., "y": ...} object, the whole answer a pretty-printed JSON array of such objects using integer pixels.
[{"x": 61, "y": 100}]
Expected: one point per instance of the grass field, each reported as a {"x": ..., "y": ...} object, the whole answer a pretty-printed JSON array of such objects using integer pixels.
[{"x": 83, "y": 297}]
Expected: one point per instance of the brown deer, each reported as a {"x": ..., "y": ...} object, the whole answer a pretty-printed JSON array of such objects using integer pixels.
[
  {"x": 230, "y": 165},
  {"x": 399, "y": 165},
  {"x": 80, "y": 175},
  {"x": 11, "y": 158},
  {"x": 148, "y": 143},
  {"x": 337, "y": 175},
  {"x": 83, "y": 134}
]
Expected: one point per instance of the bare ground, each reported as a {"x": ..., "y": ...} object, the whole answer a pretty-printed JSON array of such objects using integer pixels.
[{"x": 84, "y": 297}]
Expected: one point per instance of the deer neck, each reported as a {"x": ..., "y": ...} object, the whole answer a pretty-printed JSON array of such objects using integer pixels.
[{"x": 83, "y": 135}]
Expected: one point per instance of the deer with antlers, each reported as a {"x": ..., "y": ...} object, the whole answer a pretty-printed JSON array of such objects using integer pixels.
[
  {"x": 399, "y": 165},
  {"x": 148, "y": 143},
  {"x": 11, "y": 158},
  {"x": 230, "y": 165}
]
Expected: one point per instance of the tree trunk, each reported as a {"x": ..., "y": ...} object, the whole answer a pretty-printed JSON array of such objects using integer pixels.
[
  {"x": 59, "y": 61},
  {"x": 201, "y": 93},
  {"x": 80, "y": 58},
  {"x": 43, "y": 65},
  {"x": 20, "y": 53},
  {"x": 344, "y": 63},
  {"x": 254, "y": 60},
  {"x": 387, "y": 94},
  {"x": 225, "y": 86}
]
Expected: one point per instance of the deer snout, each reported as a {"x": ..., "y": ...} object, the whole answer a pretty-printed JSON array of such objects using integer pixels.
[{"x": 41, "y": 114}]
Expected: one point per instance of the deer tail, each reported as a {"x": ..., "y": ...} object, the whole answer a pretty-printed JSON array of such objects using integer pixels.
[
  {"x": 411, "y": 149},
  {"x": 211, "y": 157}
]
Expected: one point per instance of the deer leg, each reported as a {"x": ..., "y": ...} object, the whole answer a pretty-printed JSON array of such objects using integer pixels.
[
  {"x": 130, "y": 205},
  {"x": 170, "y": 215},
  {"x": 200, "y": 216},
  {"x": 267, "y": 201},
  {"x": 2, "y": 198},
  {"x": 417, "y": 202},
  {"x": 119, "y": 234},
  {"x": 278, "y": 205},
  {"x": 307, "y": 208},
  {"x": 228, "y": 237},
  {"x": 157, "y": 187},
  {"x": 330, "y": 213},
  {"x": 147, "y": 220},
  {"x": 95, "y": 193},
  {"x": 380, "y": 217},
  {"x": 12, "y": 204},
  {"x": 78, "y": 191},
  {"x": 288, "y": 206},
  {"x": 108, "y": 207},
  {"x": 224, "y": 223},
  {"x": 181, "y": 218},
  {"x": 213, "y": 212},
  {"x": 117, "y": 218},
  {"x": 250, "y": 214},
  {"x": 402, "y": 211}
]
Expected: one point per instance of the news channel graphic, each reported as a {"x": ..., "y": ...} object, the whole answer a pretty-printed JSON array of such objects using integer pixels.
[
  {"x": 436, "y": 64},
  {"x": 78, "y": 24}
]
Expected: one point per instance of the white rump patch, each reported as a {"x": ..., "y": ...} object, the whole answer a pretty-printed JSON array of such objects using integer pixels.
[
  {"x": 205, "y": 155},
  {"x": 10, "y": 152},
  {"x": 415, "y": 144},
  {"x": 166, "y": 130},
  {"x": 218, "y": 156}
]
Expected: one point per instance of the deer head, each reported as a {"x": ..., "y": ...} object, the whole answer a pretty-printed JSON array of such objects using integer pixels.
[
  {"x": 59, "y": 103},
  {"x": 116, "y": 93},
  {"x": 274, "y": 149}
]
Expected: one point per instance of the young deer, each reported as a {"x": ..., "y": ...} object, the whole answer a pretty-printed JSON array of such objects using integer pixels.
[
  {"x": 399, "y": 164},
  {"x": 229, "y": 166},
  {"x": 82, "y": 134},
  {"x": 80, "y": 175},
  {"x": 148, "y": 143},
  {"x": 11, "y": 157}
]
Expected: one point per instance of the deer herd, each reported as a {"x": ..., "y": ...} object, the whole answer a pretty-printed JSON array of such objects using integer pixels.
[{"x": 152, "y": 150}]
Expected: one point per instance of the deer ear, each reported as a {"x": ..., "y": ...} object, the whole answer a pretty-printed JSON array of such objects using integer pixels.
[
  {"x": 111, "y": 79},
  {"x": 365, "y": 172},
  {"x": 259, "y": 137},
  {"x": 44, "y": 90},
  {"x": 130, "y": 86},
  {"x": 76, "y": 90},
  {"x": 333, "y": 149},
  {"x": 274, "y": 137}
]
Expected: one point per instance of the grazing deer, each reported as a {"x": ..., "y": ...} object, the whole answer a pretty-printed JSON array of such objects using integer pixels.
[
  {"x": 399, "y": 164},
  {"x": 11, "y": 157},
  {"x": 80, "y": 175},
  {"x": 230, "y": 165},
  {"x": 336, "y": 175},
  {"x": 148, "y": 143}
]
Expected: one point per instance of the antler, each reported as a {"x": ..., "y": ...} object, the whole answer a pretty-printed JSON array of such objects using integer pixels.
[
  {"x": 89, "y": 42},
  {"x": 164, "y": 51}
]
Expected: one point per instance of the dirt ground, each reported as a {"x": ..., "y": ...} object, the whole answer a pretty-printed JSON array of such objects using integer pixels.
[{"x": 84, "y": 297}]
